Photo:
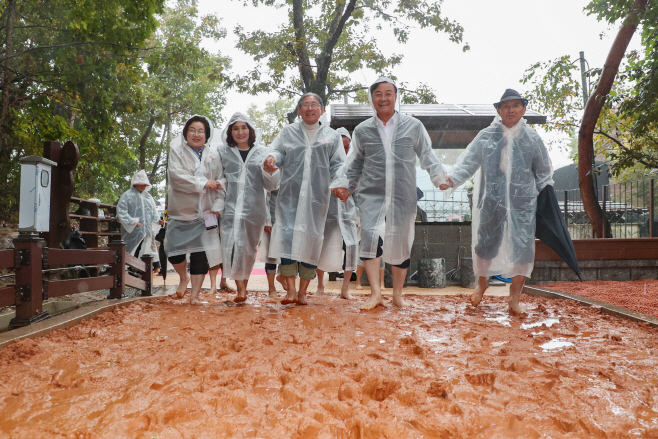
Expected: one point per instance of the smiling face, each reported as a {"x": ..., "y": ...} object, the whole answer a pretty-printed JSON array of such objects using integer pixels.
[
  {"x": 511, "y": 112},
  {"x": 240, "y": 133},
  {"x": 196, "y": 135},
  {"x": 310, "y": 110},
  {"x": 383, "y": 99}
]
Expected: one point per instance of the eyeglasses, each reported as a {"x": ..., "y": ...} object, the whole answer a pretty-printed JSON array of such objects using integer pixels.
[
  {"x": 193, "y": 131},
  {"x": 311, "y": 105}
]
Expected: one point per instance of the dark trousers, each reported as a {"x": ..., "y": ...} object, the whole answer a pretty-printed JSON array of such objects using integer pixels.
[{"x": 198, "y": 262}]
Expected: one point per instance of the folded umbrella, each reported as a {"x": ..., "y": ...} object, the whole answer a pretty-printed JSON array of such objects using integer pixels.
[
  {"x": 552, "y": 229},
  {"x": 161, "y": 252}
]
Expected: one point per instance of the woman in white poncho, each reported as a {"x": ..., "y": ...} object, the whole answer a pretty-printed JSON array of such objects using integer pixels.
[
  {"x": 245, "y": 208},
  {"x": 514, "y": 167},
  {"x": 139, "y": 217},
  {"x": 194, "y": 171},
  {"x": 340, "y": 234}
]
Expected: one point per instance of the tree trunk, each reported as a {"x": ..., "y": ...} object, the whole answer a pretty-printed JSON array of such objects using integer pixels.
[
  {"x": 5, "y": 123},
  {"x": 142, "y": 143},
  {"x": 592, "y": 113}
]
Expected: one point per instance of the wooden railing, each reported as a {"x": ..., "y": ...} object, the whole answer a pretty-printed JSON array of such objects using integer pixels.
[{"x": 30, "y": 258}]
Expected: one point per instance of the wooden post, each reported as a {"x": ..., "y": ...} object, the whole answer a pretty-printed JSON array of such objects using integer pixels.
[
  {"x": 62, "y": 183},
  {"x": 29, "y": 294},
  {"x": 118, "y": 270},
  {"x": 651, "y": 207},
  {"x": 147, "y": 276}
]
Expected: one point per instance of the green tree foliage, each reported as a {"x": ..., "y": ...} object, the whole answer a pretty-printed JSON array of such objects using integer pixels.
[
  {"x": 626, "y": 131},
  {"x": 325, "y": 41},
  {"x": 68, "y": 69},
  {"x": 271, "y": 118},
  {"x": 182, "y": 79}
]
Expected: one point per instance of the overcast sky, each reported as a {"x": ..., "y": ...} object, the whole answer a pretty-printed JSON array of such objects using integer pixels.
[{"x": 506, "y": 37}]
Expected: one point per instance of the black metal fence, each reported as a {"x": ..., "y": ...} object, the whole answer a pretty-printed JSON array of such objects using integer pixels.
[{"x": 629, "y": 209}]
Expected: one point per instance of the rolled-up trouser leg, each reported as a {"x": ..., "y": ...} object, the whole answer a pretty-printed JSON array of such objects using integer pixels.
[
  {"x": 288, "y": 267},
  {"x": 307, "y": 271}
]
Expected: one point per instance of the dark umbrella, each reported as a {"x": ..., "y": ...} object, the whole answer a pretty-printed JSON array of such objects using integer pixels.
[
  {"x": 161, "y": 252},
  {"x": 552, "y": 229}
]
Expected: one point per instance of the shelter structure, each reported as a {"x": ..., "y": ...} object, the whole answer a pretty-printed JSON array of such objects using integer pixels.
[{"x": 450, "y": 126}]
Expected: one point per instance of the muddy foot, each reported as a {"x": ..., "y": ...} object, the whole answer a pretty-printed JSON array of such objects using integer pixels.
[
  {"x": 182, "y": 286},
  {"x": 319, "y": 291},
  {"x": 515, "y": 310},
  {"x": 301, "y": 299},
  {"x": 240, "y": 298},
  {"x": 198, "y": 302},
  {"x": 399, "y": 301},
  {"x": 372, "y": 303},
  {"x": 288, "y": 300},
  {"x": 226, "y": 288},
  {"x": 476, "y": 297},
  {"x": 272, "y": 293},
  {"x": 346, "y": 295}
]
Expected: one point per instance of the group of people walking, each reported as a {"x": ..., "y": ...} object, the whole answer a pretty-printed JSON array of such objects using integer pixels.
[{"x": 320, "y": 199}]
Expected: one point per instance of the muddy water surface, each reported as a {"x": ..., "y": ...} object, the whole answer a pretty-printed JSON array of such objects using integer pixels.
[{"x": 438, "y": 369}]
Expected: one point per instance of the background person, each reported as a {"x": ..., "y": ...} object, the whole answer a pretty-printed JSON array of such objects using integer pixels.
[
  {"x": 513, "y": 167},
  {"x": 138, "y": 216},
  {"x": 245, "y": 208},
  {"x": 194, "y": 171},
  {"x": 310, "y": 155}
]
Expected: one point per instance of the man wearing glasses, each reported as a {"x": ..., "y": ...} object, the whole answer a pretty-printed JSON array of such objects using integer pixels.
[{"x": 310, "y": 156}]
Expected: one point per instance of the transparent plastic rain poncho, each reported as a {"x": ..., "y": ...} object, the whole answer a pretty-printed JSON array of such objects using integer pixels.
[
  {"x": 307, "y": 168},
  {"x": 340, "y": 226},
  {"x": 385, "y": 173},
  {"x": 188, "y": 199},
  {"x": 265, "y": 237},
  {"x": 513, "y": 167},
  {"x": 245, "y": 208},
  {"x": 138, "y": 207}
]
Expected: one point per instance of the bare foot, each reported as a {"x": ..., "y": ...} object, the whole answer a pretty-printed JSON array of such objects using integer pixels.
[
  {"x": 273, "y": 293},
  {"x": 399, "y": 301},
  {"x": 198, "y": 302},
  {"x": 301, "y": 299},
  {"x": 383, "y": 288},
  {"x": 240, "y": 298},
  {"x": 372, "y": 302},
  {"x": 515, "y": 309},
  {"x": 224, "y": 286},
  {"x": 182, "y": 288},
  {"x": 282, "y": 281},
  {"x": 359, "y": 286},
  {"x": 319, "y": 291},
  {"x": 290, "y": 298},
  {"x": 476, "y": 297},
  {"x": 346, "y": 295}
]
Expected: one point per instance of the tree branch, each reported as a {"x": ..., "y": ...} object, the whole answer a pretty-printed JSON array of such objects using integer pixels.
[
  {"x": 635, "y": 155},
  {"x": 81, "y": 43}
]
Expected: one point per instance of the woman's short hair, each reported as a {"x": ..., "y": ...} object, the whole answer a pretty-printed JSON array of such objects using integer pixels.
[
  {"x": 305, "y": 95},
  {"x": 230, "y": 141},
  {"x": 201, "y": 119}
]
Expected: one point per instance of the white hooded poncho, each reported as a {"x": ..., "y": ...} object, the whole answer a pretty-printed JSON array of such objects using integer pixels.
[
  {"x": 245, "y": 208},
  {"x": 188, "y": 199},
  {"x": 307, "y": 168},
  {"x": 513, "y": 167},
  {"x": 385, "y": 174},
  {"x": 138, "y": 207},
  {"x": 340, "y": 226}
]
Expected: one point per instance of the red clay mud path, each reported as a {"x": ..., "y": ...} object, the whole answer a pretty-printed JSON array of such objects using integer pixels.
[
  {"x": 439, "y": 369},
  {"x": 638, "y": 295}
]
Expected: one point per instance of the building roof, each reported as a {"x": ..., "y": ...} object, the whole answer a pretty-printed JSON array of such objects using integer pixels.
[{"x": 450, "y": 126}]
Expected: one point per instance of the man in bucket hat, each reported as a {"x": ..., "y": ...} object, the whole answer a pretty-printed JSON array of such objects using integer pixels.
[{"x": 513, "y": 167}]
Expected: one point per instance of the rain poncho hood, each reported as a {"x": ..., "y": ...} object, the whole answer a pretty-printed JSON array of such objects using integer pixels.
[
  {"x": 384, "y": 170},
  {"x": 307, "y": 168},
  {"x": 343, "y": 132},
  {"x": 245, "y": 208},
  {"x": 512, "y": 167},
  {"x": 188, "y": 198},
  {"x": 134, "y": 208},
  {"x": 140, "y": 177}
]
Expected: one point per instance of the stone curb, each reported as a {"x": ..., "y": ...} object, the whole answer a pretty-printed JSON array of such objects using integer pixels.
[{"x": 607, "y": 308}]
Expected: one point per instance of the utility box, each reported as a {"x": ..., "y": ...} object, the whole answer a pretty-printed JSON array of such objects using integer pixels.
[{"x": 34, "y": 214}]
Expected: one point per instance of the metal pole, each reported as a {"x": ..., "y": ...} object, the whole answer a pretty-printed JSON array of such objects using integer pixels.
[
  {"x": 583, "y": 77},
  {"x": 651, "y": 206},
  {"x": 605, "y": 196},
  {"x": 566, "y": 207}
]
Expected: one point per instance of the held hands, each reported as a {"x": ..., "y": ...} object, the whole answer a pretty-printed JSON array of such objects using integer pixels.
[
  {"x": 444, "y": 186},
  {"x": 270, "y": 165},
  {"x": 341, "y": 193},
  {"x": 268, "y": 229},
  {"x": 213, "y": 185}
]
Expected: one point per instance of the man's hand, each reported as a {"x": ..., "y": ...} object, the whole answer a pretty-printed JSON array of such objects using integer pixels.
[
  {"x": 270, "y": 165},
  {"x": 138, "y": 225},
  {"x": 215, "y": 212},
  {"x": 161, "y": 222},
  {"x": 444, "y": 186},
  {"x": 268, "y": 229},
  {"x": 341, "y": 193},
  {"x": 213, "y": 185}
]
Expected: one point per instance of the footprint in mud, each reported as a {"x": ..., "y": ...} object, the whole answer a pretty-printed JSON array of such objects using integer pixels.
[
  {"x": 481, "y": 378},
  {"x": 379, "y": 389}
]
